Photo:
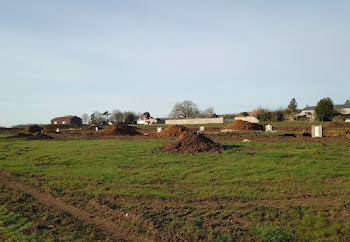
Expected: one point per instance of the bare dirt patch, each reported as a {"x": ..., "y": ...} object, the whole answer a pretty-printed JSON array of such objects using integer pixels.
[
  {"x": 193, "y": 142},
  {"x": 82, "y": 215},
  {"x": 337, "y": 124}
]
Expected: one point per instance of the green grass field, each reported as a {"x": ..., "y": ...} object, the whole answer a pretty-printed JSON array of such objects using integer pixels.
[{"x": 269, "y": 191}]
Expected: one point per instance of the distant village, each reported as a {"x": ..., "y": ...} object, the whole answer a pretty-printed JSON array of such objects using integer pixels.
[{"x": 188, "y": 113}]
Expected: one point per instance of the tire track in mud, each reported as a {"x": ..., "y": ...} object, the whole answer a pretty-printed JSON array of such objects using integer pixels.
[{"x": 88, "y": 218}]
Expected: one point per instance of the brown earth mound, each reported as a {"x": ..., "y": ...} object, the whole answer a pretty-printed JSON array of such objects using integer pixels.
[
  {"x": 32, "y": 129},
  {"x": 93, "y": 127},
  {"x": 39, "y": 136},
  {"x": 120, "y": 129},
  {"x": 20, "y": 135},
  {"x": 173, "y": 131},
  {"x": 244, "y": 125},
  {"x": 193, "y": 142},
  {"x": 48, "y": 130}
]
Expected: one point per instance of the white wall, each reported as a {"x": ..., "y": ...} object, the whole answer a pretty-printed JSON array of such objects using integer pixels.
[{"x": 195, "y": 121}]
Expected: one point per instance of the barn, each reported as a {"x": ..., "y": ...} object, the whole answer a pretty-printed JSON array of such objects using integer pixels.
[{"x": 67, "y": 120}]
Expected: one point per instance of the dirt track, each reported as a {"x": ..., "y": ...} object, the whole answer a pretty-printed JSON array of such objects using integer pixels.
[{"x": 45, "y": 199}]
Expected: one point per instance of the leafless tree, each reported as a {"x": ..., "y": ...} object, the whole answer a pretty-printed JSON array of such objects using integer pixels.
[
  {"x": 208, "y": 112},
  {"x": 85, "y": 117},
  {"x": 185, "y": 109},
  {"x": 117, "y": 116},
  {"x": 96, "y": 118}
]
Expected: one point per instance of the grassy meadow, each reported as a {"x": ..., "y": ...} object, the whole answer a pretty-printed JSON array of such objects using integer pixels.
[{"x": 267, "y": 191}]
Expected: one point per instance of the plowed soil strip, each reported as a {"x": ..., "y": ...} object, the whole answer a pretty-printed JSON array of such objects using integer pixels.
[{"x": 79, "y": 214}]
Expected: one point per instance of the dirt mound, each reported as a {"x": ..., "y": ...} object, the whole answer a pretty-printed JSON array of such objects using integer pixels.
[
  {"x": 173, "y": 131},
  {"x": 93, "y": 127},
  {"x": 193, "y": 142},
  {"x": 337, "y": 124},
  {"x": 39, "y": 136},
  {"x": 20, "y": 135},
  {"x": 32, "y": 129},
  {"x": 120, "y": 129},
  {"x": 244, "y": 125},
  {"x": 48, "y": 130}
]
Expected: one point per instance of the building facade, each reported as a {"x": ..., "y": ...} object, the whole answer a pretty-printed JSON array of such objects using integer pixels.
[{"x": 66, "y": 120}]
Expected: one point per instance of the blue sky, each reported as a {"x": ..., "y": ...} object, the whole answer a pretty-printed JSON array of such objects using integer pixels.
[{"x": 73, "y": 57}]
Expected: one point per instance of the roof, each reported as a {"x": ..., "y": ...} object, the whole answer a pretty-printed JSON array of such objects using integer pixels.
[
  {"x": 336, "y": 106},
  {"x": 342, "y": 106},
  {"x": 309, "y": 108},
  {"x": 64, "y": 117}
]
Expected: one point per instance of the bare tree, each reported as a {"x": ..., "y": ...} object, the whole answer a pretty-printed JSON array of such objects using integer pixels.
[
  {"x": 106, "y": 114},
  {"x": 96, "y": 118},
  {"x": 85, "y": 117},
  {"x": 208, "y": 112},
  {"x": 117, "y": 116},
  {"x": 185, "y": 109}
]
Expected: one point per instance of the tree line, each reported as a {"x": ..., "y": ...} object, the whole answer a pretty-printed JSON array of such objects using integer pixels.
[
  {"x": 324, "y": 111},
  {"x": 116, "y": 116}
]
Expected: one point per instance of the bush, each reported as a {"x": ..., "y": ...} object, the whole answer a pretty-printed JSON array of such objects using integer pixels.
[
  {"x": 263, "y": 115},
  {"x": 272, "y": 116}
]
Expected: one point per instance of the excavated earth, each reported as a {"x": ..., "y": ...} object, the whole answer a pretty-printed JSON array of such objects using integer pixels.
[
  {"x": 120, "y": 129},
  {"x": 39, "y": 136},
  {"x": 244, "y": 125},
  {"x": 193, "y": 142},
  {"x": 173, "y": 131},
  {"x": 33, "y": 129},
  {"x": 48, "y": 130}
]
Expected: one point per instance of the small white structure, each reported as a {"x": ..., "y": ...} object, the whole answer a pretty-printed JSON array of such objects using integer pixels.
[
  {"x": 316, "y": 131},
  {"x": 247, "y": 119},
  {"x": 159, "y": 129},
  {"x": 96, "y": 128},
  {"x": 268, "y": 128},
  {"x": 57, "y": 130},
  {"x": 201, "y": 128}
]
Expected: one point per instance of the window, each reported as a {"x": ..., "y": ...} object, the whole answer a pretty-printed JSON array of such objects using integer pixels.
[
  {"x": 55, "y": 122},
  {"x": 63, "y": 122}
]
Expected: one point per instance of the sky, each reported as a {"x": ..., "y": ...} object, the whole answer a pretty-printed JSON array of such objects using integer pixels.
[{"x": 64, "y": 57}]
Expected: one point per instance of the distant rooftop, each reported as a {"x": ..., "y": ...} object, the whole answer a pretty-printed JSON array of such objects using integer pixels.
[{"x": 335, "y": 105}]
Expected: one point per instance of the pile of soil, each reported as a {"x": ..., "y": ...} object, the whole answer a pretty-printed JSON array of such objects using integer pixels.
[
  {"x": 120, "y": 129},
  {"x": 93, "y": 127},
  {"x": 244, "y": 125},
  {"x": 48, "y": 130},
  {"x": 33, "y": 129},
  {"x": 39, "y": 136},
  {"x": 20, "y": 135},
  {"x": 173, "y": 131},
  {"x": 193, "y": 142}
]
